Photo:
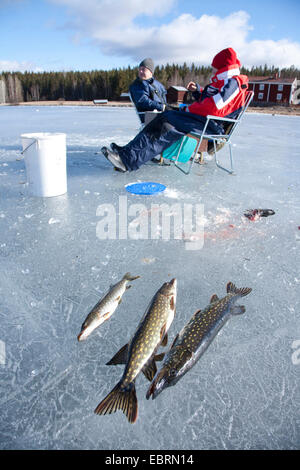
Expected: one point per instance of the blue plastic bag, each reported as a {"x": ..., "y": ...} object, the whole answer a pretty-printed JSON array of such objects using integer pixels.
[{"x": 186, "y": 152}]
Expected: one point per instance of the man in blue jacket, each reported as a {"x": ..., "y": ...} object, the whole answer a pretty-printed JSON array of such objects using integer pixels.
[
  {"x": 147, "y": 93},
  {"x": 224, "y": 96}
]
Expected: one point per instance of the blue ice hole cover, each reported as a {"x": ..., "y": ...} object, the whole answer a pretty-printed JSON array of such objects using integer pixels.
[{"x": 145, "y": 188}]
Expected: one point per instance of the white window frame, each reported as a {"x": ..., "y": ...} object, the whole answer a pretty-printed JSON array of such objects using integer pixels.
[
  {"x": 261, "y": 87},
  {"x": 280, "y": 87},
  {"x": 260, "y": 96},
  {"x": 279, "y": 96}
]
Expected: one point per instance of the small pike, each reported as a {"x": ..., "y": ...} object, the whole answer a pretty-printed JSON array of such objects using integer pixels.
[
  {"x": 106, "y": 306},
  {"x": 195, "y": 337},
  {"x": 150, "y": 334}
]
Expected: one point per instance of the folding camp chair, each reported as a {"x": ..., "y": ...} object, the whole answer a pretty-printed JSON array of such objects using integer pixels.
[
  {"x": 149, "y": 115},
  {"x": 183, "y": 158}
]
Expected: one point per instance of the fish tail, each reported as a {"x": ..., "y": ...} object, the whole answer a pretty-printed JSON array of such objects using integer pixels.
[
  {"x": 129, "y": 277},
  {"x": 120, "y": 399},
  {"x": 231, "y": 288}
]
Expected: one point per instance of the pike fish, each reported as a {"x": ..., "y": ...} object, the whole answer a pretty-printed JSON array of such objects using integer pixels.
[
  {"x": 106, "y": 306},
  {"x": 140, "y": 352},
  {"x": 192, "y": 341}
]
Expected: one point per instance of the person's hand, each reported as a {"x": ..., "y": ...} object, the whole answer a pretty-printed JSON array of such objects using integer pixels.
[
  {"x": 191, "y": 86},
  {"x": 183, "y": 107}
]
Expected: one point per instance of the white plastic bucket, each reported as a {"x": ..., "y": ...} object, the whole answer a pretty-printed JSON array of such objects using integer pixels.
[{"x": 46, "y": 163}]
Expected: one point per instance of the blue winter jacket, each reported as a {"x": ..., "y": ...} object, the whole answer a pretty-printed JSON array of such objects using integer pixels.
[{"x": 148, "y": 95}]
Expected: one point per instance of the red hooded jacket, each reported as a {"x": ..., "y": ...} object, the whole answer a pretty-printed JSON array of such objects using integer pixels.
[{"x": 227, "y": 90}]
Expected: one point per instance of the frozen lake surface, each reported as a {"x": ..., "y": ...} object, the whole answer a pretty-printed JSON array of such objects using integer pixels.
[{"x": 244, "y": 392}]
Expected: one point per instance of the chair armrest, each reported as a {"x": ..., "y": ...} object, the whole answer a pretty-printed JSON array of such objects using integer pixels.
[
  {"x": 155, "y": 111},
  {"x": 150, "y": 115},
  {"x": 219, "y": 118},
  {"x": 208, "y": 136}
]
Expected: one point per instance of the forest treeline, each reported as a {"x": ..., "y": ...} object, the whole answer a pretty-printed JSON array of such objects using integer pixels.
[{"x": 108, "y": 84}]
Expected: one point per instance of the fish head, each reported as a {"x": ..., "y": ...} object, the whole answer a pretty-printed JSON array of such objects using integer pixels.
[
  {"x": 88, "y": 327},
  {"x": 164, "y": 378},
  {"x": 172, "y": 369},
  {"x": 169, "y": 289},
  {"x": 84, "y": 332}
]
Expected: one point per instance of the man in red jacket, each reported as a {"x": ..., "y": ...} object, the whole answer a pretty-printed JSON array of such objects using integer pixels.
[{"x": 224, "y": 96}]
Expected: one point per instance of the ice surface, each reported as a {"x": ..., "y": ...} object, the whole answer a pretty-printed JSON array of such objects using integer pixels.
[{"x": 244, "y": 392}]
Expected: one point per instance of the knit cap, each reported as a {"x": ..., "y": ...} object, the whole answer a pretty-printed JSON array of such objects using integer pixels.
[
  {"x": 225, "y": 58},
  {"x": 148, "y": 63}
]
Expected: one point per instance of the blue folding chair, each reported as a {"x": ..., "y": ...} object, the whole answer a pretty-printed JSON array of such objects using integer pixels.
[{"x": 184, "y": 152}]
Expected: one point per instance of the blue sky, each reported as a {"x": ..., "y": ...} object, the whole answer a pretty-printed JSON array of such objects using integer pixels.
[{"x": 103, "y": 34}]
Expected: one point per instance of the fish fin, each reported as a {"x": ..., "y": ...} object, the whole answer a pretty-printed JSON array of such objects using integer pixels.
[
  {"x": 149, "y": 370},
  {"x": 159, "y": 357},
  {"x": 231, "y": 288},
  {"x": 237, "y": 310},
  {"x": 174, "y": 341},
  {"x": 120, "y": 399},
  {"x": 129, "y": 277},
  {"x": 172, "y": 303},
  {"x": 120, "y": 357},
  {"x": 214, "y": 298},
  {"x": 197, "y": 313},
  {"x": 150, "y": 390},
  {"x": 163, "y": 336},
  {"x": 165, "y": 340}
]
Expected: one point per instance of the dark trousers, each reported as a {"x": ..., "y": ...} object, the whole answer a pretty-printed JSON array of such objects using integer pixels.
[{"x": 160, "y": 133}]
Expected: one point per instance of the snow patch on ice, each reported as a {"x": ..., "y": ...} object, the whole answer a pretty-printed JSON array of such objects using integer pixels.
[
  {"x": 52, "y": 220},
  {"x": 148, "y": 260},
  {"x": 174, "y": 194}
]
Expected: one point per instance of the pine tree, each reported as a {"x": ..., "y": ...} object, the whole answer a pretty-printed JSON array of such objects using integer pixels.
[{"x": 109, "y": 84}]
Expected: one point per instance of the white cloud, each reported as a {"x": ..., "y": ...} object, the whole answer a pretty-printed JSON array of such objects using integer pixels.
[
  {"x": 14, "y": 65},
  {"x": 113, "y": 25},
  {"x": 283, "y": 53},
  {"x": 116, "y": 28}
]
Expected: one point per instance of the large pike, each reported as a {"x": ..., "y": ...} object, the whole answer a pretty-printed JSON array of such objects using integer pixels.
[
  {"x": 140, "y": 352},
  {"x": 106, "y": 306},
  {"x": 189, "y": 345}
]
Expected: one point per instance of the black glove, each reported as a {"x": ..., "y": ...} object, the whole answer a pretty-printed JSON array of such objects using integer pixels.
[{"x": 170, "y": 107}]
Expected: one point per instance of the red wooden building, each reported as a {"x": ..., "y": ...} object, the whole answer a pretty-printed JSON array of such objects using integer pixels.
[
  {"x": 272, "y": 90},
  {"x": 177, "y": 94}
]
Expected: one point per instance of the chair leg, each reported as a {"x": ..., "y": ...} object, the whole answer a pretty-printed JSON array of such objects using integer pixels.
[
  {"x": 229, "y": 170},
  {"x": 192, "y": 159}
]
